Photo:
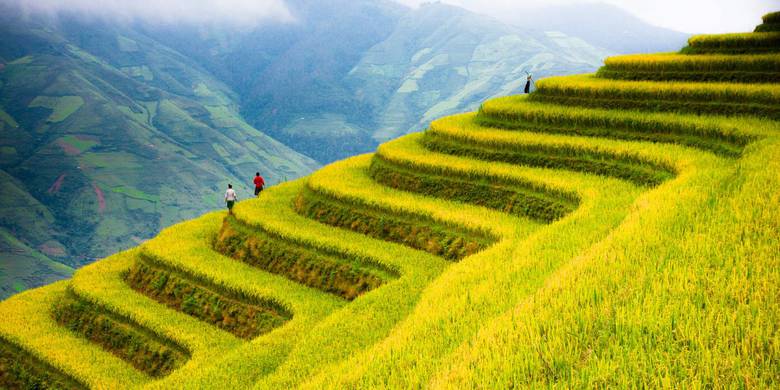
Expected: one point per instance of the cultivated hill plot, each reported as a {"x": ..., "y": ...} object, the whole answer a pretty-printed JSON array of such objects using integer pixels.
[{"x": 609, "y": 230}]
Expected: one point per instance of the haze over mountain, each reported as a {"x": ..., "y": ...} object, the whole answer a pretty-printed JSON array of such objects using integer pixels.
[
  {"x": 602, "y": 25},
  {"x": 111, "y": 130}
]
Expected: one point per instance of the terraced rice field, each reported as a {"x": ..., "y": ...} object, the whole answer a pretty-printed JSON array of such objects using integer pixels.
[{"x": 609, "y": 230}]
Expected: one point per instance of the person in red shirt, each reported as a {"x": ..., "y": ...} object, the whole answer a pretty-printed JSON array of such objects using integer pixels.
[{"x": 259, "y": 183}]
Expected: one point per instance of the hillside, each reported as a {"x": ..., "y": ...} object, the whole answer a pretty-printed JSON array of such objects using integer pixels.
[
  {"x": 107, "y": 137},
  {"x": 602, "y": 25},
  {"x": 88, "y": 104},
  {"x": 616, "y": 229},
  {"x": 351, "y": 74}
]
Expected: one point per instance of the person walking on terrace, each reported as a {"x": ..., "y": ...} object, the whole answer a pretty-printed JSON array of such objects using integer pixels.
[
  {"x": 259, "y": 184},
  {"x": 230, "y": 198},
  {"x": 528, "y": 84}
]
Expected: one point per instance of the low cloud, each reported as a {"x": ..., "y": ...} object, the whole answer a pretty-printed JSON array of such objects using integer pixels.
[
  {"x": 238, "y": 12},
  {"x": 691, "y": 16}
]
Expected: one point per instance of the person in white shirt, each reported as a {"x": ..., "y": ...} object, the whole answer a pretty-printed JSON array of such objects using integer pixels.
[{"x": 230, "y": 198}]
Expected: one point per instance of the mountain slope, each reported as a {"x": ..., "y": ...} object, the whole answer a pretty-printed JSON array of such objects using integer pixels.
[
  {"x": 602, "y": 25},
  {"x": 311, "y": 84},
  {"x": 436, "y": 60},
  {"x": 110, "y": 136},
  {"x": 442, "y": 59}
]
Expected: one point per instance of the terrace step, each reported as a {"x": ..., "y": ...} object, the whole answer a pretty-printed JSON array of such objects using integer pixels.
[
  {"x": 761, "y": 100},
  {"x": 460, "y": 135},
  {"x": 29, "y": 327},
  {"x": 366, "y": 319},
  {"x": 360, "y": 204},
  {"x": 743, "y": 68},
  {"x": 737, "y": 43},
  {"x": 144, "y": 350},
  {"x": 104, "y": 283},
  {"x": 723, "y": 136},
  {"x": 771, "y": 23},
  {"x": 405, "y": 164},
  {"x": 303, "y": 264}
]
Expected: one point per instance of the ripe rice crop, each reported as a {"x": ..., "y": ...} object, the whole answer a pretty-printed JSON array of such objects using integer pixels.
[
  {"x": 746, "y": 68},
  {"x": 762, "y": 42},
  {"x": 682, "y": 97},
  {"x": 596, "y": 234}
]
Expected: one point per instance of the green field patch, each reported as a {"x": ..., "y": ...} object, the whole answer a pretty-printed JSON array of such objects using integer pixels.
[
  {"x": 7, "y": 153},
  {"x": 238, "y": 315},
  {"x": 408, "y": 86},
  {"x": 135, "y": 193},
  {"x": 143, "y": 350},
  {"x": 126, "y": 44},
  {"x": 120, "y": 160},
  {"x": 22, "y": 60},
  {"x": 62, "y": 106},
  {"x": 21, "y": 370},
  {"x": 142, "y": 72},
  {"x": 52, "y": 248},
  {"x": 202, "y": 90},
  {"x": 7, "y": 118},
  {"x": 222, "y": 116},
  {"x": 75, "y": 145},
  {"x": 23, "y": 267},
  {"x": 138, "y": 116},
  {"x": 299, "y": 263},
  {"x": 330, "y": 125}
]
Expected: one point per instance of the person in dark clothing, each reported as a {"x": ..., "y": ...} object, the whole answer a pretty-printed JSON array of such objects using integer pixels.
[
  {"x": 259, "y": 183},
  {"x": 528, "y": 84}
]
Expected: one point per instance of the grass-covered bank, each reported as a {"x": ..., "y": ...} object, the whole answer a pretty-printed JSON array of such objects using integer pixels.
[{"x": 598, "y": 233}]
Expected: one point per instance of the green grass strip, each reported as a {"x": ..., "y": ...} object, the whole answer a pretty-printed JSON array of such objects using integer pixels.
[
  {"x": 20, "y": 370},
  {"x": 246, "y": 320},
  {"x": 299, "y": 263},
  {"x": 142, "y": 349}
]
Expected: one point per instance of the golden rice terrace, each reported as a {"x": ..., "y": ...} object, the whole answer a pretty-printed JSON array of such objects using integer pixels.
[{"x": 619, "y": 229}]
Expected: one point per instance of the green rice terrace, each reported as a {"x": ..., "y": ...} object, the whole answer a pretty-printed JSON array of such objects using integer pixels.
[{"x": 619, "y": 229}]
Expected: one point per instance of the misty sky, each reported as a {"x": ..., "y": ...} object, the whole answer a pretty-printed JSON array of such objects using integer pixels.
[
  {"x": 691, "y": 16},
  {"x": 240, "y": 12}
]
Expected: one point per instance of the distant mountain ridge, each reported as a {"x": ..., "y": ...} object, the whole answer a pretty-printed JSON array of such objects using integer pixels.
[{"x": 602, "y": 25}]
